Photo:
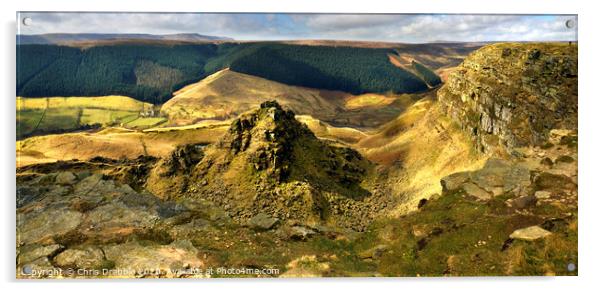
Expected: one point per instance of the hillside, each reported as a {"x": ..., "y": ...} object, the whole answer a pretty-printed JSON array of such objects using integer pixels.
[
  {"x": 226, "y": 94},
  {"x": 513, "y": 94},
  {"x": 476, "y": 178},
  {"x": 148, "y": 73},
  {"x": 38, "y": 116},
  {"x": 151, "y": 70},
  {"x": 88, "y": 38}
]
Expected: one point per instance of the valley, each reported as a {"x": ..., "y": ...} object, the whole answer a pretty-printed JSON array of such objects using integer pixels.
[{"x": 317, "y": 158}]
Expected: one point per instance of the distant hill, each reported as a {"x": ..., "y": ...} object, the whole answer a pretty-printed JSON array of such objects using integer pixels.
[
  {"x": 151, "y": 70},
  {"x": 74, "y": 38},
  {"x": 226, "y": 94}
]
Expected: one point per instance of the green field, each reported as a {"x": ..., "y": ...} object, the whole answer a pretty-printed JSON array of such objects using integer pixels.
[{"x": 37, "y": 116}]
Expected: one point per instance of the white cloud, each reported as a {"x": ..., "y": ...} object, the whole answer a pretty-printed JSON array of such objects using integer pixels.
[{"x": 383, "y": 27}]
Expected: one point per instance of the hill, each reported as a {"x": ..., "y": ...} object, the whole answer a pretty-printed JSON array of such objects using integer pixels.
[
  {"x": 513, "y": 94},
  {"x": 151, "y": 70},
  {"x": 148, "y": 73},
  {"x": 75, "y": 39},
  {"x": 37, "y": 116},
  {"x": 227, "y": 93}
]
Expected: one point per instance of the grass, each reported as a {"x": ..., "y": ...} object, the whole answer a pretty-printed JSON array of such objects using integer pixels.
[
  {"x": 37, "y": 116},
  {"x": 455, "y": 235}
]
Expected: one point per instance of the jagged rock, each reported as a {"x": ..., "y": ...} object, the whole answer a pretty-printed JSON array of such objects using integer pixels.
[
  {"x": 270, "y": 162},
  {"x": 88, "y": 257},
  {"x": 530, "y": 233},
  {"x": 512, "y": 94},
  {"x": 66, "y": 178},
  {"x": 262, "y": 221}
]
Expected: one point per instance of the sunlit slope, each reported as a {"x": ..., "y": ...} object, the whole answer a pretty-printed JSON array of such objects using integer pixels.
[
  {"x": 37, "y": 116},
  {"x": 419, "y": 148},
  {"x": 114, "y": 143},
  {"x": 226, "y": 94}
]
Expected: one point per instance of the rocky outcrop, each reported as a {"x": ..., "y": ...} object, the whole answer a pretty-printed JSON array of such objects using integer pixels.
[
  {"x": 525, "y": 180},
  {"x": 268, "y": 162},
  {"x": 513, "y": 94}
]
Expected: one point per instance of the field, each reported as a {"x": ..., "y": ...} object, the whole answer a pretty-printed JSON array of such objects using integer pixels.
[{"x": 62, "y": 114}]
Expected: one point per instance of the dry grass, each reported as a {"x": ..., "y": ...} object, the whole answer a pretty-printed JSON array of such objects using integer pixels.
[
  {"x": 419, "y": 148},
  {"x": 113, "y": 143}
]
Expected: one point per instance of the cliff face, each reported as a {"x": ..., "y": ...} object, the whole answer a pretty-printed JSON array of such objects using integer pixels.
[{"x": 513, "y": 94}]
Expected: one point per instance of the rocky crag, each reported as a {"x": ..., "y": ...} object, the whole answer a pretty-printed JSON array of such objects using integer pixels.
[
  {"x": 513, "y": 94},
  {"x": 269, "y": 163}
]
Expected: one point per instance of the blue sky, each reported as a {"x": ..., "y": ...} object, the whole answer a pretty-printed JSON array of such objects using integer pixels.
[{"x": 367, "y": 27}]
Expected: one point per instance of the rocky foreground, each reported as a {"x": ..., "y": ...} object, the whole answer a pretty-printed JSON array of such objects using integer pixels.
[{"x": 270, "y": 199}]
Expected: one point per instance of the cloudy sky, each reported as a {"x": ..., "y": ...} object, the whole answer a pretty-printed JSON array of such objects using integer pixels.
[{"x": 373, "y": 27}]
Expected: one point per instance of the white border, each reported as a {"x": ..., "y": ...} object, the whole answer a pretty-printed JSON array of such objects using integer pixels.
[{"x": 589, "y": 119}]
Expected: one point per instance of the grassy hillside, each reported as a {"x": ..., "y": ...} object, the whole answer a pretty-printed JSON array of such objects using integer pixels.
[
  {"x": 350, "y": 69},
  {"x": 226, "y": 94},
  {"x": 151, "y": 72},
  {"x": 47, "y": 70},
  {"x": 61, "y": 114}
]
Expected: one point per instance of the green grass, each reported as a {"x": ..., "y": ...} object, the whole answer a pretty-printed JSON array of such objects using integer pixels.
[{"x": 454, "y": 225}]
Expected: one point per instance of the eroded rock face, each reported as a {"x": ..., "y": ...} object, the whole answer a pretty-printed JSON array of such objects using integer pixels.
[{"x": 513, "y": 94}]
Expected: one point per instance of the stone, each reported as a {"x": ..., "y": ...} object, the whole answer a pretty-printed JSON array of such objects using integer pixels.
[
  {"x": 454, "y": 181},
  {"x": 475, "y": 191},
  {"x": 262, "y": 222},
  {"x": 66, "y": 178},
  {"x": 31, "y": 253},
  {"x": 542, "y": 194},
  {"x": 81, "y": 258},
  {"x": 530, "y": 233},
  {"x": 523, "y": 202},
  {"x": 115, "y": 221},
  {"x": 43, "y": 226},
  {"x": 142, "y": 259},
  {"x": 300, "y": 233}
]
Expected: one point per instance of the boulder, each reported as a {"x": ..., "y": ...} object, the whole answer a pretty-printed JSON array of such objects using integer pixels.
[
  {"x": 475, "y": 191},
  {"x": 31, "y": 253},
  {"x": 530, "y": 233},
  {"x": 66, "y": 178},
  {"x": 88, "y": 257},
  {"x": 300, "y": 233},
  {"x": 454, "y": 181},
  {"x": 262, "y": 222}
]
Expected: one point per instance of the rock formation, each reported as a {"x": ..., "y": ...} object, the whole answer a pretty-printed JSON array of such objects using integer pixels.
[{"x": 513, "y": 94}]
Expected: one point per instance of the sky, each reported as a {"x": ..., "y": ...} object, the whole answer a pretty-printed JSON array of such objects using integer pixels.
[{"x": 410, "y": 28}]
